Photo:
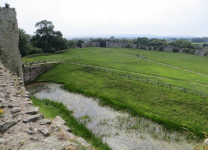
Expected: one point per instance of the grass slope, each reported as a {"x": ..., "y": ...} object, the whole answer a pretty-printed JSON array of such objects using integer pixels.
[
  {"x": 172, "y": 108},
  {"x": 51, "y": 109},
  {"x": 122, "y": 59}
]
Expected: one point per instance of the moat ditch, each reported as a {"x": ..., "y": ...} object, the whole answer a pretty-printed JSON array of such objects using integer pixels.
[{"x": 119, "y": 130}]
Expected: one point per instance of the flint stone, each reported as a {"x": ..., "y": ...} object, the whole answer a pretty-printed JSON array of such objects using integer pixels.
[
  {"x": 34, "y": 139},
  {"x": 13, "y": 105},
  {"x": 32, "y": 110},
  {"x": 44, "y": 130},
  {"x": 64, "y": 127},
  {"x": 8, "y": 140},
  {"x": 2, "y": 141},
  {"x": 82, "y": 141},
  {"x": 29, "y": 132},
  {"x": 59, "y": 121},
  {"x": 1, "y": 99},
  {"x": 15, "y": 110},
  {"x": 6, "y": 125},
  {"x": 33, "y": 118},
  {"x": 44, "y": 121},
  {"x": 27, "y": 93},
  {"x": 50, "y": 143},
  {"x": 11, "y": 130},
  {"x": 15, "y": 115},
  {"x": 68, "y": 135}
]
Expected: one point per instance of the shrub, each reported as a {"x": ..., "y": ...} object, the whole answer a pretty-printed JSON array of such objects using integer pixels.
[
  {"x": 191, "y": 51},
  {"x": 7, "y": 5},
  {"x": 35, "y": 50},
  {"x": 160, "y": 48},
  {"x": 155, "y": 47},
  {"x": 128, "y": 46},
  {"x": 150, "y": 48},
  {"x": 175, "y": 49},
  {"x": 205, "y": 54}
]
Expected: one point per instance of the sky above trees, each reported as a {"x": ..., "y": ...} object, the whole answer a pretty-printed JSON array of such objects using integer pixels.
[{"x": 76, "y": 18}]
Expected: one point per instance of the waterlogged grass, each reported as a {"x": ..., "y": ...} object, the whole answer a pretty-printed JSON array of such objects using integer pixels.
[
  {"x": 171, "y": 108},
  {"x": 51, "y": 109}
]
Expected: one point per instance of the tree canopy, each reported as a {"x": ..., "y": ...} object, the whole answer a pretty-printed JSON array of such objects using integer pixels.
[{"x": 47, "y": 39}]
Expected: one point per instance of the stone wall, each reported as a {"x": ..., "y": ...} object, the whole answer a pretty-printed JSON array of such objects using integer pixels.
[
  {"x": 167, "y": 48},
  {"x": 91, "y": 44},
  {"x": 23, "y": 127},
  {"x": 31, "y": 73},
  {"x": 9, "y": 38}
]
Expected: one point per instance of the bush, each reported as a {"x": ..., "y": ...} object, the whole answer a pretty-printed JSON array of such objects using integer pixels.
[
  {"x": 35, "y": 50},
  {"x": 192, "y": 51},
  {"x": 128, "y": 46},
  {"x": 155, "y": 47},
  {"x": 150, "y": 48},
  {"x": 189, "y": 51},
  {"x": 160, "y": 48},
  {"x": 205, "y": 54},
  {"x": 7, "y": 5},
  {"x": 175, "y": 49}
]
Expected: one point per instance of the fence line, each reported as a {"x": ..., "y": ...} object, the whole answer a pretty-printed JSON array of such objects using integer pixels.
[{"x": 137, "y": 78}]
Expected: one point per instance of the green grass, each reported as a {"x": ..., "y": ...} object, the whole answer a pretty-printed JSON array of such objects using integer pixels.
[
  {"x": 51, "y": 109},
  {"x": 172, "y": 108},
  {"x": 122, "y": 59}
]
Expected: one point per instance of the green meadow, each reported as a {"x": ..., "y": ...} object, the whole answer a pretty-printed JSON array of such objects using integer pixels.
[
  {"x": 124, "y": 60},
  {"x": 172, "y": 108}
]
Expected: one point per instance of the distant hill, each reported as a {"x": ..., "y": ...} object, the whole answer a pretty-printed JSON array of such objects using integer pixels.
[{"x": 133, "y": 36}]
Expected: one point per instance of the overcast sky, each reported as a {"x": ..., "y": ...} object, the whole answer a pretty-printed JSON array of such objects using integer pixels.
[{"x": 99, "y": 17}]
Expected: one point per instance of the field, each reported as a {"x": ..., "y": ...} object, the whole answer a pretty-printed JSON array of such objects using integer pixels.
[
  {"x": 172, "y": 108},
  {"x": 125, "y": 60}
]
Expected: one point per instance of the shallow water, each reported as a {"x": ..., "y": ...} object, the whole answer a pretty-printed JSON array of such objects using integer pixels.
[{"x": 119, "y": 130}]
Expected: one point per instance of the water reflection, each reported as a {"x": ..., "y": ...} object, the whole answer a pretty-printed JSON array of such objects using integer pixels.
[{"x": 120, "y": 131}]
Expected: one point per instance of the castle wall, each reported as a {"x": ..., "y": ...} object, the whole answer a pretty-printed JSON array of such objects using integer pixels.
[
  {"x": 31, "y": 73},
  {"x": 9, "y": 39}
]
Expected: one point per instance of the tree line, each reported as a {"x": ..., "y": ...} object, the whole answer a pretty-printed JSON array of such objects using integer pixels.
[{"x": 45, "y": 40}]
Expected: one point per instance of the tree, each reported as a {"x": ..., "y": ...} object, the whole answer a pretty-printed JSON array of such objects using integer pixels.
[
  {"x": 24, "y": 41},
  {"x": 47, "y": 39},
  {"x": 79, "y": 43}
]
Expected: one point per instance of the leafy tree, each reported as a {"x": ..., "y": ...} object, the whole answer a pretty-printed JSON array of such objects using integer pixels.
[
  {"x": 79, "y": 43},
  {"x": 24, "y": 42},
  {"x": 47, "y": 39}
]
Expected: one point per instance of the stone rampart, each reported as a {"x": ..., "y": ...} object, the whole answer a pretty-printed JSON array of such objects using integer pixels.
[
  {"x": 91, "y": 44},
  {"x": 9, "y": 39},
  {"x": 167, "y": 48},
  {"x": 23, "y": 127},
  {"x": 31, "y": 73}
]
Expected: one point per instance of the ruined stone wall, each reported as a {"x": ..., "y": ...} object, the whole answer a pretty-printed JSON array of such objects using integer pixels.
[
  {"x": 91, "y": 44},
  {"x": 31, "y": 73},
  {"x": 9, "y": 38},
  {"x": 169, "y": 48}
]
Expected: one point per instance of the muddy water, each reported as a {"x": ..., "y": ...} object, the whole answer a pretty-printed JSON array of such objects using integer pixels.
[{"x": 119, "y": 130}]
